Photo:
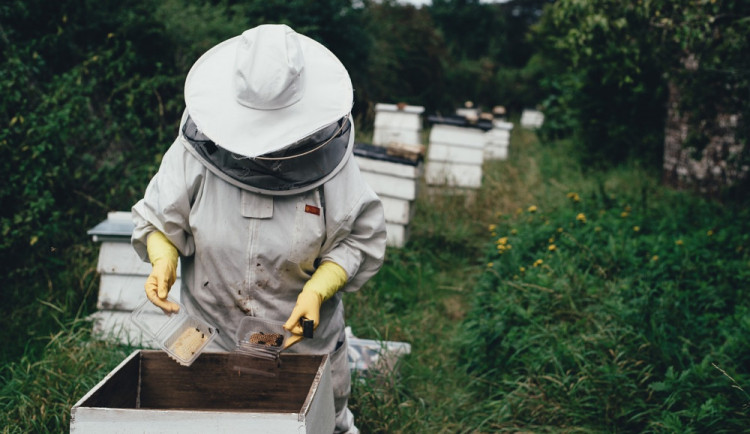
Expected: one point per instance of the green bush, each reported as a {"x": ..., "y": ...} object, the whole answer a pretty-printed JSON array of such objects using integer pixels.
[{"x": 609, "y": 312}]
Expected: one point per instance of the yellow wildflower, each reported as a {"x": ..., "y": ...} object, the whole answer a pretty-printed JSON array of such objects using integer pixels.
[
  {"x": 710, "y": 233},
  {"x": 551, "y": 240},
  {"x": 513, "y": 231},
  {"x": 489, "y": 265},
  {"x": 552, "y": 247},
  {"x": 598, "y": 229},
  {"x": 655, "y": 258},
  {"x": 574, "y": 197},
  {"x": 492, "y": 228},
  {"x": 560, "y": 230},
  {"x": 581, "y": 217},
  {"x": 679, "y": 242},
  {"x": 636, "y": 228},
  {"x": 532, "y": 208},
  {"x": 502, "y": 241},
  {"x": 538, "y": 262},
  {"x": 522, "y": 269},
  {"x": 624, "y": 214}
]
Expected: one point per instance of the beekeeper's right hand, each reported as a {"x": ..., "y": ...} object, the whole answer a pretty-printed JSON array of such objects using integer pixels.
[{"x": 163, "y": 255}]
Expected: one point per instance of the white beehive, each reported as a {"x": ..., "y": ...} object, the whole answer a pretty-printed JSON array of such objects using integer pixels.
[
  {"x": 498, "y": 140},
  {"x": 397, "y": 123},
  {"x": 122, "y": 276},
  {"x": 395, "y": 180},
  {"x": 455, "y": 154},
  {"x": 532, "y": 119},
  {"x": 149, "y": 392}
]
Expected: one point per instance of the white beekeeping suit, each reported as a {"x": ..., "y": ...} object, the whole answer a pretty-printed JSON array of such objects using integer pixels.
[{"x": 260, "y": 188}]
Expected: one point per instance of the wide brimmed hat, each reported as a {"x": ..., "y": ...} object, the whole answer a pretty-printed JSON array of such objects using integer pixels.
[{"x": 266, "y": 89}]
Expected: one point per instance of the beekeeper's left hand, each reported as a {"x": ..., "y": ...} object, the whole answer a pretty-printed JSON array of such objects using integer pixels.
[{"x": 325, "y": 281}]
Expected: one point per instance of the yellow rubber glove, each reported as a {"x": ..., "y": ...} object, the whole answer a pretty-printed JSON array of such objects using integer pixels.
[
  {"x": 325, "y": 281},
  {"x": 163, "y": 255}
]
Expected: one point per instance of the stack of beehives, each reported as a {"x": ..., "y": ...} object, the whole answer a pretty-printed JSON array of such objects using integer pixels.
[
  {"x": 456, "y": 150},
  {"x": 392, "y": 165},
  {"x": 498, "y": 138}
]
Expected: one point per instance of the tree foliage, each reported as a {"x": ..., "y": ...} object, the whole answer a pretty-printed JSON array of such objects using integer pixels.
[{"x": 614, "y": 60}]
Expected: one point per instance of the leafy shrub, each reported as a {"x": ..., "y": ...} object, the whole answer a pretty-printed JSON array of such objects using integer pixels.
[{"x": 610, "y": 313}]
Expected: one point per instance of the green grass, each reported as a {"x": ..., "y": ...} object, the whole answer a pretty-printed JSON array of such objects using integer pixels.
[{"x": 616, "y": 330}]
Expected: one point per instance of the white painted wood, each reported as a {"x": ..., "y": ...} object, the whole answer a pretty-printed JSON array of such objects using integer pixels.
[
  {"x": 122, "y": 421},
  {"x": 453, "y": 175},
  {"x": 502, "y": 125},
  {"x": 385, "y": 136},
  {"x": 317, "y": 417},
  {"x": 455, "y": 154},
  {"x": 459, "y": 136},
  {"x": 125, "y": 291},
  {"x": 532, "y": 118},
  {"x": 496, "y": 152},
  {"x": 397, "y": 210},
  {"x": 385, "y": 185},
  {"x": 120, "y": 258},
  {"x": 396, "y": 234},
  {"x": 389, "y": 168},
  {"x": 497, "y": 136},
  {"x": 398, "y": 120}
]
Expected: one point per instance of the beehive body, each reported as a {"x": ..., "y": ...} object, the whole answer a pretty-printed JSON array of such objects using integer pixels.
[{"x": 149, "y": 392}]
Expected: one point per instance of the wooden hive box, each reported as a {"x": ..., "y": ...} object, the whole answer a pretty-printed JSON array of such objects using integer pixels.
[
  {"x": 456, "y": 152},
  {"x": 532, "y": 119},
  {"x": 498, "y": 140},
  {"x": 395, "y": 180},
  {"x": 149, "y": 392},
  {"x": 122, "y": 275},
  {"x": 397, "y": 123}
]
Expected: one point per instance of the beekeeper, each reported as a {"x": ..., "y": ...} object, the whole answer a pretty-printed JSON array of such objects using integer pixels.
[{"x": 261, "y": 199}]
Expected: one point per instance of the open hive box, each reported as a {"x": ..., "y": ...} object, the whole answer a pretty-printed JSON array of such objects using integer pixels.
[{"x": 149, "y": 392}]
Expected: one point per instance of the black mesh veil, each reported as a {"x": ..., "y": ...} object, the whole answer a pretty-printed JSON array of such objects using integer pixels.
[{"x": 291, "y": 168}]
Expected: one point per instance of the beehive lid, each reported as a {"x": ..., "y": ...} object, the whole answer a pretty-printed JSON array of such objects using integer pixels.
[
  {"x": 381, "y": 153},
  {"x": 117, "y": 227}
]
